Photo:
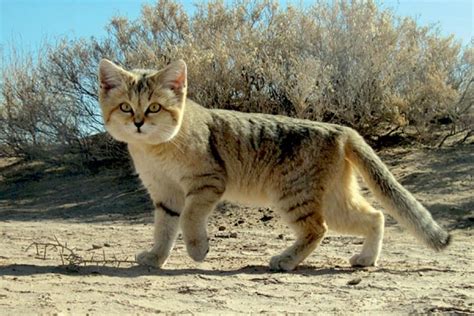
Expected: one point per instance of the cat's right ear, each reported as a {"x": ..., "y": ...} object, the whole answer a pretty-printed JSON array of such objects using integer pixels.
[
  {"x": 110, "y": 75},
  {"x": 174, "y": 77}
]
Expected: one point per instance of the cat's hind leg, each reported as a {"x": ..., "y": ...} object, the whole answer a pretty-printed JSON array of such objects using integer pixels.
[
  {"x": 369, "y": 223},
  {"x": 304, "y": 216},
  {"x": 350, "y": 213},
  {"x": 359, "y": 218}
]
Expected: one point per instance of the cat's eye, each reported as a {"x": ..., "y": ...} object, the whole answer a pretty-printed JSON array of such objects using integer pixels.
[
  {"x": 125, "y": 107},
  {"x": 154, "y": 108}
]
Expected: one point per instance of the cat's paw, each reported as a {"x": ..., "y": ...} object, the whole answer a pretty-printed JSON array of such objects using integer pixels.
[
  {"x": 360, "y": 260},
  {"x": 197, "y": 248},
  {"x": 150, "y": 259},
  {"x": 283, "y": 263}
]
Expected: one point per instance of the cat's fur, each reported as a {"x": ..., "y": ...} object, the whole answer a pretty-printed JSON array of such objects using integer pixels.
[{"x": 189, "y": 158}]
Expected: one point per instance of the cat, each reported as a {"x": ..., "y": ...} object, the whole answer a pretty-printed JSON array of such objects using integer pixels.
[{"x": 189, "y": 158}]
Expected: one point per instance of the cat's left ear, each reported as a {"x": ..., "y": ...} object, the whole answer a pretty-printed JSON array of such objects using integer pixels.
[
  {"x": 110, "y": 75},
  {"x": 174, "y": 77}
]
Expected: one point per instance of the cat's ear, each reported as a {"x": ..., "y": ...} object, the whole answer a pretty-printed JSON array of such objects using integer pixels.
[
  {"x": 110, "y": 75},
  {"x": 174, "y": 77}
]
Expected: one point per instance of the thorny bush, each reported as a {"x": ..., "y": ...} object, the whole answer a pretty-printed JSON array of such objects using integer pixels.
[{"x": 347, "y": 62}]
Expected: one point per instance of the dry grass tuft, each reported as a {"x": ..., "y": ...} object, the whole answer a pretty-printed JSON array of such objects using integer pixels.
[{"x": 71, "y": 258}]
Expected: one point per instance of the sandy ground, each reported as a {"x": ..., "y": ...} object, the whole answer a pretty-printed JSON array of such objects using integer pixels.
[{"x": 104, "y": 216}]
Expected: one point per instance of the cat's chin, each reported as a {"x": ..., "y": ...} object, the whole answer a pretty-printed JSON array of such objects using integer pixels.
[
  {"x": 145, "y": 139},
  {"x": 142, "y": 137}
]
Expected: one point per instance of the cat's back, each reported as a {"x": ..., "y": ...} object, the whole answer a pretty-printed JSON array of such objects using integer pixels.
[{"x": 260, "y": 126}]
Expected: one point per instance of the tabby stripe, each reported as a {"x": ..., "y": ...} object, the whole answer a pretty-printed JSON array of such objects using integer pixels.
[
  {"x": 253, "y": 141},
  {"x": 239, "y": 151},
  {"x": 205, "y": 187},
  {"x": 302, "y": 218},
  {"x": 311, "y": 238},
  {"x": 110, "y": 114},
  {"x": 151, "y": 94},
  {"x": 261, "y": 135},
  {"x": 140, "y": 85},
  {"x": 130, "y": 90},
  {"x": 167, "y": 210},
  {"x": 286, "y": 144},
  {"x": 301, "y": 174},
  {"x": 291, "y": 192},
  {"x": 214, "y": 151},
  {"x": 210, "y": 175},
  {"x": 296, "y": 206},
  {"x": 173, "y": 113}
]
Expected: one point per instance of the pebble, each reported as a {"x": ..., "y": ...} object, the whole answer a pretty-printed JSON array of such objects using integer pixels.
[{"x": 354, "y": 281}]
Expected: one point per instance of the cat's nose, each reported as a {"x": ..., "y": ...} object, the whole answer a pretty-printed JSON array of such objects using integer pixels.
[{"x": 139, "y": 124}]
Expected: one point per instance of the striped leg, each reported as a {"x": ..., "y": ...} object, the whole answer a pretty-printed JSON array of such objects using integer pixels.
[
  {"x": 306, "y": 220},
  {"x": 165, "y": 233},
  {"x": 200, "y": 202}
]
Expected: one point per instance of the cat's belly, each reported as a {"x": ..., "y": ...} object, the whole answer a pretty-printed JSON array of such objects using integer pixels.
[{"x": 247, "y": 197}]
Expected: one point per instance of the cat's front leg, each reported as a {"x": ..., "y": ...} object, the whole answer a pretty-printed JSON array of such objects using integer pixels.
[
  {"x": 165, "y": 233},
  {"x": 200, "y": 202}
]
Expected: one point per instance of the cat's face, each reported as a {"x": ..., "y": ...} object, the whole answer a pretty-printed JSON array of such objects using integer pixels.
[{"x": 142, "y": 106}]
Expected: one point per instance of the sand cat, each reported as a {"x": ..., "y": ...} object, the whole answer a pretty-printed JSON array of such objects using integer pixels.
[{"x": 190, "y": 158}]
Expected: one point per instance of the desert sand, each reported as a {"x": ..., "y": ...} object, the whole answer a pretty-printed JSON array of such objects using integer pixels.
[{"x": 104, "y": 216}]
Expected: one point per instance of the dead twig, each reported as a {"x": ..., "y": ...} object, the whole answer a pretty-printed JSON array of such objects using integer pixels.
[
  {"x": 451, "y": 134},
  {"x": 70, "y": 257}
]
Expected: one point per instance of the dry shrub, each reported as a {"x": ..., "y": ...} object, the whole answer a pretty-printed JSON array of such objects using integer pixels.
[{"x": 347, "y": 62}]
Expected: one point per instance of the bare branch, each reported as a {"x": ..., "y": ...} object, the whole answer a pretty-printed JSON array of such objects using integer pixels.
[{"x": 70, "y": 257}]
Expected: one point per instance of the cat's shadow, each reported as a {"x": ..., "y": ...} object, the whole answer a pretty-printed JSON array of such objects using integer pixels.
[{"x": 16, "y": 270}]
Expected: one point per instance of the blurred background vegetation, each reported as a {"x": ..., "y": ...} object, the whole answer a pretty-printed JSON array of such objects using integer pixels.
[{"x": 346, "y": 62}]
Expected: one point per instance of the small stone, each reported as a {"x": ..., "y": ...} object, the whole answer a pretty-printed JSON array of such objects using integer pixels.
[
  {"x": 222, "y": 235},
  {"x": 96, "y": 246},
  {"x": 266, "y": 218},
  {"x": 221, "y": 228},
  {"x": 354, "y": 281},
  {"x": 281, "y": 236},
  {"x": 233, "y": 235},
  {"x": 106, "y": 245}
]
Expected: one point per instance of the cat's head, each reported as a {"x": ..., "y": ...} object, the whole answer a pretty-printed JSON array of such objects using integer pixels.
[{"x": 142, "y": 106}]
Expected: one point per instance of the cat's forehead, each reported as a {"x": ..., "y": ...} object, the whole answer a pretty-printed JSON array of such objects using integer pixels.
[
  {"x": 143, "y": 73},
  {"x": 140, "y": 83}
]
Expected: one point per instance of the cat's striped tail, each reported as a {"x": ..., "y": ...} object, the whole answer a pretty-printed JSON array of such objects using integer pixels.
[{"x": 397, "y": 201}]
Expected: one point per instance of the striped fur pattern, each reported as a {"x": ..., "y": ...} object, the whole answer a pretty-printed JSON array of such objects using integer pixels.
[{"x": 190, "y": 158}]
